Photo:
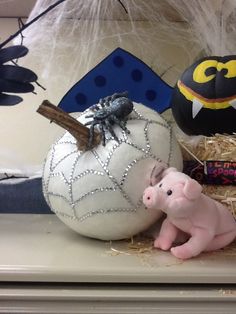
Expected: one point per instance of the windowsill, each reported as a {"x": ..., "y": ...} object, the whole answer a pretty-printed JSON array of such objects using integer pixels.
[{"x": 39, "y": 248}]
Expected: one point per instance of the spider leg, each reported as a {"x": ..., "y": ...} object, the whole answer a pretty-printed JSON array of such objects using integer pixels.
[
  {"x": 110, "y": 129},
  {"x": 120, "y": 123},
  {"x": 102, "y": 102},
  {"x": 102, "y": 130},
  {"x": 124, "y": 94},
  {"x": 95, "y": 107},
  {"x": 118, "y": 95},
  {"x": 108, "y": 103},
  {"x": 89, "y": 115},
  {"x": 114, "y": 96},
  {"x": 91, "y": 133},
  {"x": 90, "y": 122}
]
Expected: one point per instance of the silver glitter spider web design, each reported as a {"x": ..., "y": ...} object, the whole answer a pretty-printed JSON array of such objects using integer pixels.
[{"x": 117, "y": 185}]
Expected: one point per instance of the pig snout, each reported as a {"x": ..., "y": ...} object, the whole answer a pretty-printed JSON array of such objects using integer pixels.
[{"x": 149, "y": 199}]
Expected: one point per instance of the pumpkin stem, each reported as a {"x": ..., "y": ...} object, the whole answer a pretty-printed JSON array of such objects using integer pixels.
[{"x": 74, "y": 127}]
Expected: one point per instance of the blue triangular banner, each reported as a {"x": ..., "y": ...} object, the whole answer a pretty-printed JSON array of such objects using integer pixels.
[{"x": 118, "y": 72}]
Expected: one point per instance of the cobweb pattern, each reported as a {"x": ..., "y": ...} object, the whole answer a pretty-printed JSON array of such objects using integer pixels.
[{"x": 103, "y": 181}]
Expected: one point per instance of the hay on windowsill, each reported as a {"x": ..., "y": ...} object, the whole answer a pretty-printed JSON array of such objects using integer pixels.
[{"x": 218, "y": 147}]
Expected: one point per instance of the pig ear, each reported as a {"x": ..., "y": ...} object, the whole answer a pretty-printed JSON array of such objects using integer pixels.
[
  {"x": 192, "y": 189},
  {"x": 167, "y": 171},
  {"x": 156, "y": 174}
]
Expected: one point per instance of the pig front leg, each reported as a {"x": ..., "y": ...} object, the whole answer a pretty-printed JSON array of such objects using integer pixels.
[
  {"x": 199, "y": 240},
  {"x": 167, "y": 235}
]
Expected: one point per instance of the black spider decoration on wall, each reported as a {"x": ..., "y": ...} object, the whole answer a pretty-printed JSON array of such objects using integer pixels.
[
  {"x": 15, "y": 79},
  {"x": 109, "y": 111}
]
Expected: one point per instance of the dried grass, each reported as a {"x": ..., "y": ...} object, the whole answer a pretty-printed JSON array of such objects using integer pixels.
[{"x": 218, "y": 147}]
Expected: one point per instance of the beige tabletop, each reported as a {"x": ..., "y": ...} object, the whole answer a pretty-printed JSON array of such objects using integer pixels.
[{"x": 41, "y": 248}]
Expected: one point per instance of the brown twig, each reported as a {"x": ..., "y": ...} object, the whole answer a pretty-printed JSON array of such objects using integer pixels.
[{"x": 74, "y": 127}]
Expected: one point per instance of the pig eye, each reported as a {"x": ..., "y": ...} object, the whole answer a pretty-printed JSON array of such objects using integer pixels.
[
  {"x": 169, "y": 192},
  {"x": 160, "y": 185}
]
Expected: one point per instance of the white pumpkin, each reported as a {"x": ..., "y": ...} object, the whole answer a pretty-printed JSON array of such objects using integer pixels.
[{"x": 98, "y": 193}]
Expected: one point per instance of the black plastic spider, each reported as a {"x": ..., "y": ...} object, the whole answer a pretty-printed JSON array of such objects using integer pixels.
[{"x": 110, "y": 110}]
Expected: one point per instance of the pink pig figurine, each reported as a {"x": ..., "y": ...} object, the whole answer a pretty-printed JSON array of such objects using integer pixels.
[{"x": 210, "y": 225}]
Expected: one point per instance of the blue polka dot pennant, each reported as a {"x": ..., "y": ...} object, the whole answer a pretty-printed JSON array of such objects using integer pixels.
[{"x": 119, "y": 72}]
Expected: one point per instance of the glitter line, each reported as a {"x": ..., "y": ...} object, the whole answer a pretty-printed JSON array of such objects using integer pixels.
[
  {"x": 71, "y": 183},
  {"x": 60, "y": 196},
  {"x": 95, "y": 212},
  {"x": 63, "y": 158},
  {"x": 112, "y": 178},
  {"x": 171, "y": 146},
  {"x": 70, "y": 142},
  {"x": 86, "y": 173},
  {"x": 148, "y": 146},
  {"x": 61, "y": 175},
  {"x": 146, "y": 150},
  {"x": 131, "y": 164},
  {"x": 92, "y": 192}
]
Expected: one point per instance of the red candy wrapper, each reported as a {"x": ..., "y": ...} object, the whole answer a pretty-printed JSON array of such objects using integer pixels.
[{"x": 212, "y": 172}]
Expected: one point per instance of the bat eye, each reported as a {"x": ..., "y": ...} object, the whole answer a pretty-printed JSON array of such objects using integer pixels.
[
  {"x": 160, "y": 185},
  {"x": 227, "y": 69},
  {"x": 201, "y": 73},
  {"x": 169, "y": 192}
]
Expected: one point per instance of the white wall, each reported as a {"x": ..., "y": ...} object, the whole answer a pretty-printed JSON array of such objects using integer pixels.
[{"x": 25, "y": 136}]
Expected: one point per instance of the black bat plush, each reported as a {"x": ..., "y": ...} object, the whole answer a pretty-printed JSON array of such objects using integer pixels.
[{"x": 13, "y": 78}]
